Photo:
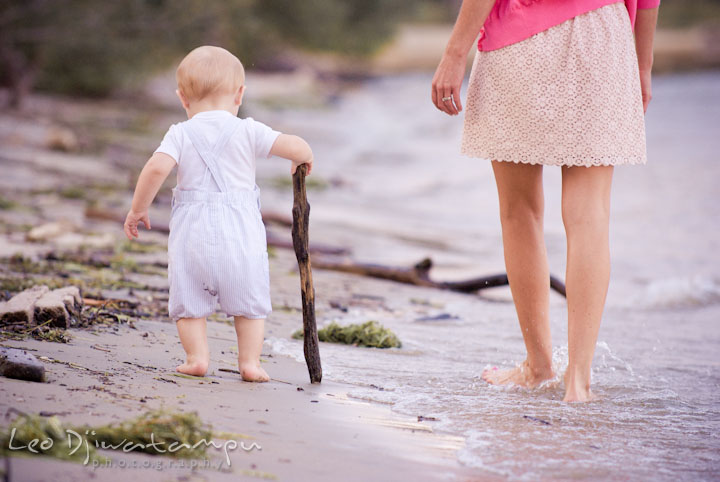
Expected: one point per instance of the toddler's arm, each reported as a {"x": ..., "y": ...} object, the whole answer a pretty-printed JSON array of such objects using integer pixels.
[
  {"x": 295, "y": 149},
  {"x": 154, "y": 173}
]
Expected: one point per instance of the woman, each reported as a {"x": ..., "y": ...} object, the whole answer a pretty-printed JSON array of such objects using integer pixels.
[{"x": 563, "y": 84}]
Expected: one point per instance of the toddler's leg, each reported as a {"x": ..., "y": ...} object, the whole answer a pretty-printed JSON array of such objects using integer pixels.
[
  {"x": 193, "y": 336},
  {"x": 250, "y": 341}
]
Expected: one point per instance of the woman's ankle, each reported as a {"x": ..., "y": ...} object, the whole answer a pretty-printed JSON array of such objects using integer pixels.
[
  {"x": 577, "y": 379},
  {"x": 541, "y": 369}
]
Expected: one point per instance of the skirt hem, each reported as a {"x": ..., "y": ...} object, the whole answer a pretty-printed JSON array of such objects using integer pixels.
[{"x": 560, "y": 163}]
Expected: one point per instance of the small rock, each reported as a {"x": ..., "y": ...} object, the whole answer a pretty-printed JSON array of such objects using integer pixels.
[
  {"x": 61, "y": 307},
  {"x": 65, "y": 236},
  {"x": 48, "y": 231},
  {"x": 422, "y": 418},
  {"x": 338, "y": 306},
  {"x": 61, "y": 139},
  {"x": 20, "y": 309},
  {"x": 73, "y": 241},
  {"x": 21, "y": 365}
]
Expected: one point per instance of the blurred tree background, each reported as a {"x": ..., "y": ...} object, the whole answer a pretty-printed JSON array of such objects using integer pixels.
[{"x": 90, "y": 47}]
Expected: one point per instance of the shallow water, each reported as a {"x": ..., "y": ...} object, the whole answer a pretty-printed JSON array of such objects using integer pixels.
[{"x": 401, "y": 192}]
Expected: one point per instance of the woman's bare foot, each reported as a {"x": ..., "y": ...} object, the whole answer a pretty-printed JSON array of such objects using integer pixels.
[
  {"x": 522, "y": 376},
  {"x": 197, "y": 368},
  {"x": 573, "y": 396},
  {"x": 576, "y": 389},
  {"x": 253, "y": 372}
]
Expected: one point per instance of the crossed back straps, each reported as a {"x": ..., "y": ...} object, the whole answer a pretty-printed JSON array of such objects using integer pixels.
[{"x": 210, "y": 155}]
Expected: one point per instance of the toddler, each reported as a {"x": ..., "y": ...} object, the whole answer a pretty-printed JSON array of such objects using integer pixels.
[{"x": 217, "y": 247}]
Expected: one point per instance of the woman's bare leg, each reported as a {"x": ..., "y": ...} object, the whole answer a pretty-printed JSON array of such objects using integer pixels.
[
  {"x": 193, "y": 336},
  {"x": 520, "y": 192},
  {"x": 586, "y": 215}
]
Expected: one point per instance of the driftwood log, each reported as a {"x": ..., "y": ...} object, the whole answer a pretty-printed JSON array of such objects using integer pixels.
[
  {"x": 419, "y": 275},
  {"x": 269, "y": 217},
  {"x": 300, "y": 236}
]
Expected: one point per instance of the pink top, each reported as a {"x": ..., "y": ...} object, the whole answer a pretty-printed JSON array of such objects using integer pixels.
[{"x": 511, "y": 21}]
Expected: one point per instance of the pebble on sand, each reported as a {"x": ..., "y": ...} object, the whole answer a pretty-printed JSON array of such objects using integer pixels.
[{"x": 21, "y": 365}]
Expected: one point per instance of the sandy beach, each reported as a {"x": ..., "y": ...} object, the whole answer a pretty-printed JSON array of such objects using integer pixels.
[
  {"x": 304, "y": 431},
  {"x": 390, "y": 188}
]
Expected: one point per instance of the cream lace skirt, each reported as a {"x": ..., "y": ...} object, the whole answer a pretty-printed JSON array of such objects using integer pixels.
[{"x": 568, "y": 96}]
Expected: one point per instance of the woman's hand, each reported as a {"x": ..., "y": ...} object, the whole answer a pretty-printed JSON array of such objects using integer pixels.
[
  {"x": 644, "y": 36},
  {"x": 646, "y": 87},
  {"x": 449, "y": 74},
  {"x": 446, "y": 84}
]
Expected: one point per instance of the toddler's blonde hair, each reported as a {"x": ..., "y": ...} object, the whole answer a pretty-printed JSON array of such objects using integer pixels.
[{"x": 208, "y": 71}]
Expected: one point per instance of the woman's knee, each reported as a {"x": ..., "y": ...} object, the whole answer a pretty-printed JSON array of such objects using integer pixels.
[
  {"x": 522, "y": 211},
  {"x": 520, "y": 193},
  {"x": 586, "y": 197},
  {"x": 589, "y": 214}
]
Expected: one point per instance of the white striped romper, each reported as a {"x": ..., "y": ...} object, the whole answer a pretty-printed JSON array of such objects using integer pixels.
[{"x": 217, "y": 248}]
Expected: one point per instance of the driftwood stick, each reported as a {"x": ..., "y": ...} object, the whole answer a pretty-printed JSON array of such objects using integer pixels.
[
  {"x": 284, "y": 243},
  {"x": 419, "y": 275},
  {"x": 300, "y": 226},
  {"x": 269, "y": 217},
  {"x": 557, "y": 285},
  {"x": 274, "y": 217}
]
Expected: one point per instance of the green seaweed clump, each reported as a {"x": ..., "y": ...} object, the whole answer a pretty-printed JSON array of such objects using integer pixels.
[
  {"x": 6, "y": 203},
  {"x": 370, "y": 334},
  {"x": 157, "y": 433},
  {"x": 55, "y": 335},
  {"x": 142, "y": 247},
  {"x": 47, "y": 436},
  {"x": 74, "y": 192}
]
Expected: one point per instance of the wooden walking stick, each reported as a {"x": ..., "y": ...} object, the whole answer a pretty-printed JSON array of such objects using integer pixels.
[{"x": 300, "y": 227}]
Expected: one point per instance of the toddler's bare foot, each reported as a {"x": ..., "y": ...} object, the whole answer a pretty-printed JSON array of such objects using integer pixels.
[
  {"x": 522, "y": 376},
  {"x": 196, "y": 368},
  {"x": 253, "y": 372}
]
